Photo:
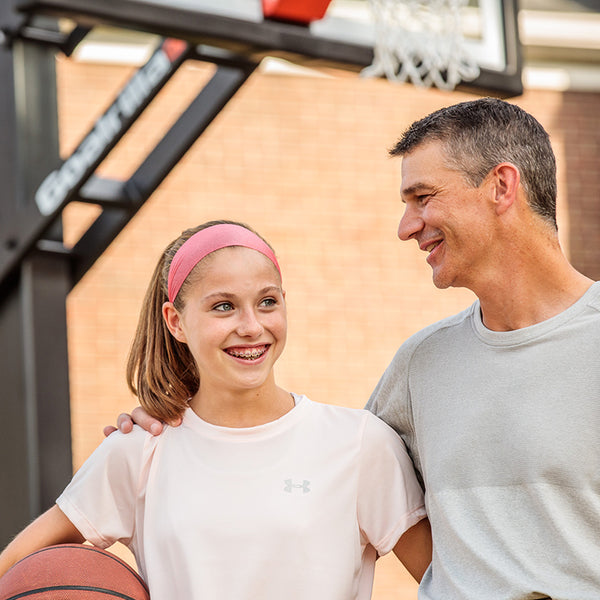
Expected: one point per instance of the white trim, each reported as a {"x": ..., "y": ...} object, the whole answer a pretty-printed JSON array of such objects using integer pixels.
[
  {"x": 561, "y": 77},
  {"x": 113, "y": 53},
  {"x": 560, "y": 30}
]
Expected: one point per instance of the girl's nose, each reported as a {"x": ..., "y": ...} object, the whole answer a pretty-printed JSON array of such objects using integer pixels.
[{"x": 249, "y": 324}]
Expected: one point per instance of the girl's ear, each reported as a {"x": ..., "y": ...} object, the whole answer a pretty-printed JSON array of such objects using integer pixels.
[{"x": 173, "y": 322}]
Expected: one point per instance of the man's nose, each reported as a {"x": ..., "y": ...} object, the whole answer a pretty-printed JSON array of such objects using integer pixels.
[{"x": 410, "y": 223}]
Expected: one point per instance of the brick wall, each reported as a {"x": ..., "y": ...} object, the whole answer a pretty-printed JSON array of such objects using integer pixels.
[{"x": 303, "y": 160}]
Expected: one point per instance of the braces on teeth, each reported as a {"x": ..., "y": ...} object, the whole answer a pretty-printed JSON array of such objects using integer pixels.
[{"x": 256, "y": 353}]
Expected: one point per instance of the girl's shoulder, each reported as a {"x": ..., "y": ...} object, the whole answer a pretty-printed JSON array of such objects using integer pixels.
[
  {"x": 131, "y": 449},
  {"x": 335, "y": 411},
  {"x": 136, "y": 438},
  {"x": 344, "y": 418}
]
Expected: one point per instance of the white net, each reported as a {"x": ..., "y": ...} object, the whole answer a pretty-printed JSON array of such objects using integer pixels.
[{"x": 421, "y": 41}]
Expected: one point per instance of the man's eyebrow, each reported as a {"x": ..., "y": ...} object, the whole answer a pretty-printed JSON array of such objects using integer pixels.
[{"x": 413, "y": 189}]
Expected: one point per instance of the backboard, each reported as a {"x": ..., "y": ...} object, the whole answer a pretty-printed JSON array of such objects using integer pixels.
[
  {"x": 344, "y": 38},
  {"x": 487, "y": 29}
]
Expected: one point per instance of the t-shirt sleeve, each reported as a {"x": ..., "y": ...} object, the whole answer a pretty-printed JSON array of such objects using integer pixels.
[
  {"x": 390, "y": 499},
  {"x": 390, "y": 399},
  {"x": 101, "y": 498}
]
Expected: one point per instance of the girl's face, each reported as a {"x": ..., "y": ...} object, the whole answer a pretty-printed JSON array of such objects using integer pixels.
[{"x": 234, "y": 320}]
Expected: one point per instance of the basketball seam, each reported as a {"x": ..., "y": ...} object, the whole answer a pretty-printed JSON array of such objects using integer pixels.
[
  {"x": 92, "y": 549},
  {"x": 115, "y": 559},
  {"x": 87, "y": 588}
]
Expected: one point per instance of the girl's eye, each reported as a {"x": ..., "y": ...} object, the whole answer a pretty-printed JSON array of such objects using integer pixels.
[
  {"x": 223, "y": 307},
  {"x": 268, "y": 302}
]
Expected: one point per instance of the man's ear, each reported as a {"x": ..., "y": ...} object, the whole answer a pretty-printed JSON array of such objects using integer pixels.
[
  {"x": 173, "y": 322},
  {"x": 507, "y": 179}
]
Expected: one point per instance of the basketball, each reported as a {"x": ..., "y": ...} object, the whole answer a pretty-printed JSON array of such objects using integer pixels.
[{"x": 72, "y": 572}]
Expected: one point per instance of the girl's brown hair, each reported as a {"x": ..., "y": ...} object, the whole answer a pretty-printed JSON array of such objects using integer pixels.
[{"x": 161, "y": 371}]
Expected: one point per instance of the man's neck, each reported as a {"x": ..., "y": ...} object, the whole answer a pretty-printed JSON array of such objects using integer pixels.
[{"x": 522, "y": 296}]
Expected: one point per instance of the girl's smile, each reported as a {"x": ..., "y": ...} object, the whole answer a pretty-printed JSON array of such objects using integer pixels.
[{"x": 249, "y": 353}]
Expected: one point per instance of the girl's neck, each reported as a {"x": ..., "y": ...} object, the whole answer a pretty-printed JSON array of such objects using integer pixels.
[{"x": 242, "y": 409}]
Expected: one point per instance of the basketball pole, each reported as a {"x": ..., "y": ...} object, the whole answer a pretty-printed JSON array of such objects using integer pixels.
[{"x": 35, "y": 446}]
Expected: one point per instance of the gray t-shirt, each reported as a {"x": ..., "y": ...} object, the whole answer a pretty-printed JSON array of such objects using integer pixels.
[{"x": 504, "y": 429}]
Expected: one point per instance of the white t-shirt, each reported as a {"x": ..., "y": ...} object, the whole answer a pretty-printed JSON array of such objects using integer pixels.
[{"x": 292, "y": 509}]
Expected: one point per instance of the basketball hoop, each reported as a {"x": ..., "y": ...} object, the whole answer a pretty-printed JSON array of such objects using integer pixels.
[{"x": 420, "y": 41}]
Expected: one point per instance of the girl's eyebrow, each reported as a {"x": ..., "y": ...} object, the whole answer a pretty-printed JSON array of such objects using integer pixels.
[
  {"x": 219, "y": 295},
  {"x": 229, "y": 295},
  {"x": 270, "y": 288}
]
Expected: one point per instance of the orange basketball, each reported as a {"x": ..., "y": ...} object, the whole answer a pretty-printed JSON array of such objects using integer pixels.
[{"x": 72, "y": 572}]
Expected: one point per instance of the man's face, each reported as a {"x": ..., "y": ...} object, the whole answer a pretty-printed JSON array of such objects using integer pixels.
[{"x": 451, "y": 220}]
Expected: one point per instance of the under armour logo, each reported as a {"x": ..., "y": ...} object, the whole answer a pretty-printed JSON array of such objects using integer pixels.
[{"x": 290, "y": 486}]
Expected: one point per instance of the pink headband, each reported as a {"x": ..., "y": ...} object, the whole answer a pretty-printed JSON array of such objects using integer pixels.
[{"x": 209, "y": 240}]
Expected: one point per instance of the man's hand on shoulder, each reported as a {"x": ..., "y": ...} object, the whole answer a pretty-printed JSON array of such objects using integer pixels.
[{"x": 140, "y": 417}]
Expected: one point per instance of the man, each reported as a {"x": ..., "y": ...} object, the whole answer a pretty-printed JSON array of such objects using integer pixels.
[{"x": 500, "y": 404}]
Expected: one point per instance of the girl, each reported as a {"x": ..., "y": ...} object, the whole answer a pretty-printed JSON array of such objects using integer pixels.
[{"x": 260, "y": 493}]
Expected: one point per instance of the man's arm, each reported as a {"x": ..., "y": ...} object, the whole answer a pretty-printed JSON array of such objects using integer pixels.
[
  {"x": 414, "y": 549},
  {"x": 140, "y": 417},
  {"x": 50, "y": 528}
]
